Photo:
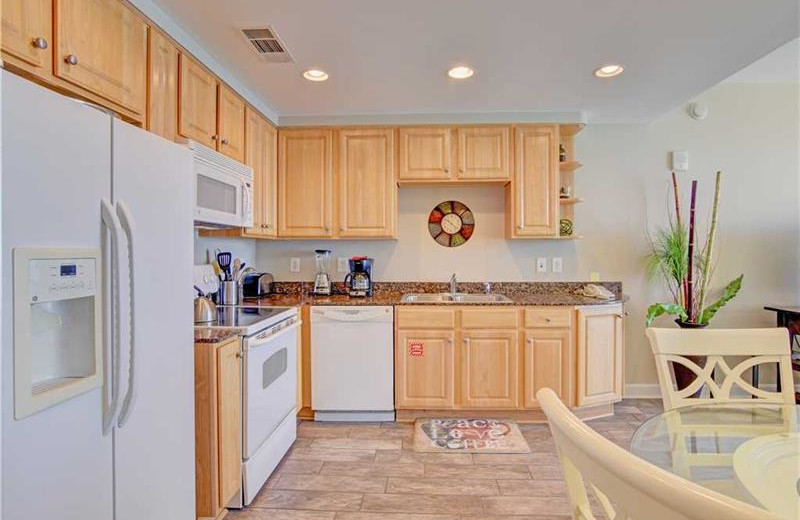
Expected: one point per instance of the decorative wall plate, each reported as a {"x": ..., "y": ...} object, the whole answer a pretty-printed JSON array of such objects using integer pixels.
[{"x": 451, "y": 223}]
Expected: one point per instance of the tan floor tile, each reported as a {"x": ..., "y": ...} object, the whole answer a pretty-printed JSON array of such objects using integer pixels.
[
  {"x": 546, "y": 472},
  {"x": 413, "y": 456},
  {"x": 330, "y": 483},
  {"x": 393, "y": 516},
  {"x": 314, "y": 500},
  {"x": 377, "y": 443},
  {"x": 552, "y": 505},
  {"x": 435, "y": 486},
  {"x": 517, "y": 517},
  {"x": 373, "y": 469},
  {"x": 483, "y": 471},
  {"x": 318, "y": 430},
  {"x": 381, "y": 433},
  {"x": 299, "y": 466},
  {"x": 535, "y": 488},
  {"x": 452, "y": 504},
  {"x": 515, "y": 458},
  {"x": 278, "y": 514},
  {"x": 324, "y": 454}
]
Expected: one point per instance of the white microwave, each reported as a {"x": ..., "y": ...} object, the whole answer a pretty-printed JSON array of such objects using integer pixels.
[{"x": 223, "y": 190}]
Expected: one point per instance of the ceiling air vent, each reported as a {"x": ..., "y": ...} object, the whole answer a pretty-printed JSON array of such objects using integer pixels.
[{"x": 266, "y": 44}]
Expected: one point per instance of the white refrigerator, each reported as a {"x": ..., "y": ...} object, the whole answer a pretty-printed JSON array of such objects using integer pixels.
[{"x": 60, "y": 159}]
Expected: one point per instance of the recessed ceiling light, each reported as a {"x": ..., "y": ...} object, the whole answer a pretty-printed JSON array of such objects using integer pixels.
[
  {"x": 609, "y": 71},
  {"x": 460, "y": 72},
  {"x": 315, "y": 75}
]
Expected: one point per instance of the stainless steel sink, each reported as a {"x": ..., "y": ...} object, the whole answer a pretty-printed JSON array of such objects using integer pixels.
[{"x": 456, "y": 298}]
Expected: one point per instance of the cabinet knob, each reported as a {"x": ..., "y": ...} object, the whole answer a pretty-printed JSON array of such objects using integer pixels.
[
  {"x": 214, "y": 137},
  {"x": 71, "y": 59},
  {"x": 238, "y": 354},
  {"x": 530, "y": 341},
  {"x": 268, "y": 226},
  {"x": 327, "y": 229},
  {"x": 39, "y": 43},
  {"x": 547, "y": 320},
  {"x": 225, "y": 141},
  {"x": 447, "y": 169},
  {"x": 461, "y": 170}
]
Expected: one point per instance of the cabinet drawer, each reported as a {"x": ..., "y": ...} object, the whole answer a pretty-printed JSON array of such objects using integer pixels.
[
  {"x": 548, "y": 317},
  {"x": 484, "y": 318},
  {"x": 425, "y": 317}
]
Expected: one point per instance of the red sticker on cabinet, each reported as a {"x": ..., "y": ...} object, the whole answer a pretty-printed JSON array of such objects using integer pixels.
[{"x": 416, "y": 349}]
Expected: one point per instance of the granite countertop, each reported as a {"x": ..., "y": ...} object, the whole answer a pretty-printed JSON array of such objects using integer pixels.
[
  {"x": 292, "y": 294},
  {"x": 212, "y": 335}
]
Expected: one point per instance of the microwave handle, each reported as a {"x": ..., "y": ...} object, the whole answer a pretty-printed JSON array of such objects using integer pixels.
[{"x": 246, "y": 202}]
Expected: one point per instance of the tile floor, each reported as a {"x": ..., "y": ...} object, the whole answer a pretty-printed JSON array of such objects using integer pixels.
[{"x": 368, "y": 472}]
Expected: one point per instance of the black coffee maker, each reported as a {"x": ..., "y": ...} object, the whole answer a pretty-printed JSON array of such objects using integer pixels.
[{"x": 359, "y": 280}]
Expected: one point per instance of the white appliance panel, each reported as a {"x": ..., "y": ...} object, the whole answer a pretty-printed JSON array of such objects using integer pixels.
[
  {"x": 352, "y": 359},
  {"x": 154, "y": 448},
  {"x": 56, "y": 162}
]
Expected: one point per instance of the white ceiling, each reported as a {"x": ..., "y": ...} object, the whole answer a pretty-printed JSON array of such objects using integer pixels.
[
  {"x": 387, "y": 60},
  {"x": 780, "y": 66}
]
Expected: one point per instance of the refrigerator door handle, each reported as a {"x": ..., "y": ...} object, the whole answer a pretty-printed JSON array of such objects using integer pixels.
[
  {"x": 111, "y": 222},
  {"x": 130, "y": 397}
]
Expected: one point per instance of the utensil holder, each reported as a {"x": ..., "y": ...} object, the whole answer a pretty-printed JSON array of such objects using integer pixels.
[{"x": 229, "y": 293}]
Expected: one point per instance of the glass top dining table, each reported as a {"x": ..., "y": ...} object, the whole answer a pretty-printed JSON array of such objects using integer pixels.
[{"x": 750, "y": 452}]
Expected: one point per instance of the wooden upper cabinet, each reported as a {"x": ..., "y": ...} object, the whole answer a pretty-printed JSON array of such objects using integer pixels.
[
  {"x": 600, "y": 355},
  {"x": 197, "y": 103},
  {"x": 483, "y": 153},
  {"x": 27, "y": 34},
  {"x": 547, "y": 363},
  {"x": 101, "y": 46},
  {"x": 270, "y": 185},
  {"x": 534, "y": 192},
  {"x": 162, "y": 91},
  {"x": 229, "y": 381},
  {"x": 230, "y": 121},
  {"x": 305, "y": 183},
  {"x": 261, "y": 143},
  {"x": 489, "y": 369},
  {"x": 424, "y": 369},
  {"x": 425, "y": 154},
  {"x": 366, "y": 182}
]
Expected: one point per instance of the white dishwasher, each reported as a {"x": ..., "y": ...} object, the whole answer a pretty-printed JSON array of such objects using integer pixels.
[{"x": 352, "y": 363}]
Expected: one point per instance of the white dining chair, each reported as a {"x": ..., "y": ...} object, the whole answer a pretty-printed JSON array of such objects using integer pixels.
[
  {"x": 625, "y": 487},
  {"x": 758, "y": 346}
]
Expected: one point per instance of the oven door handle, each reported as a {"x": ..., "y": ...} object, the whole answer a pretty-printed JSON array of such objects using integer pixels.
[{"x": 256, "y": 342}]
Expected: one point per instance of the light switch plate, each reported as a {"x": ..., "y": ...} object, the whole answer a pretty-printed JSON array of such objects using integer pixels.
[
  {"x": 541, "y": 264},
  {"x": 294, "y": 265},
  {"x": 680, "y": 160},
  {"x": 558, "y": 264},
  {"x": 342, "y": 265}
]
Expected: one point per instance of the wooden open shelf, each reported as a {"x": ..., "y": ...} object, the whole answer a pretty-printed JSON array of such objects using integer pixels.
[{"x": 569, "y": 165}]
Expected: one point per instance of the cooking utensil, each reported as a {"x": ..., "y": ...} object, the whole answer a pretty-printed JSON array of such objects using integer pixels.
[
  {"x": 237, "y": 265},
  {"x": 228, "y": 293},
  {"x": 224, "y": 260}
]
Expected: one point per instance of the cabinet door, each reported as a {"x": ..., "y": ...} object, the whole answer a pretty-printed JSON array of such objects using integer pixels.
[
  {"x": 231, "y": 124},
  {"x": 197, "y": 104},
  {"x": 229, "y": 406},
  {"x": 162, "y": 91},
  {"x": 489, "y": 369},
  {"x": 424, "y": 369},
  {"x": 425, "y": 154},
  {"x": 367, "y": 186},
  {"x": 483, "y": 153},
  {"x": 600, "y": 355},
  {"x": 547, "y": 358},
  {"x": 270, "y": 184},
  {"x": 535, "y": 183},
  {"x": 256, "y": 157},
  {"x": 305, "y": 178},
  {"x": 27, "y": 32},
  {"x": 102, "y": 47}
]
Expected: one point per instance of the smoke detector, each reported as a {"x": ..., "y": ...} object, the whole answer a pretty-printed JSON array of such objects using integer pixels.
[{"x": 265, "y": 42}]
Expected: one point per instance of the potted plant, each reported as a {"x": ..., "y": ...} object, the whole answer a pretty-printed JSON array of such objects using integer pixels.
[{"x": 687, "y": 271}]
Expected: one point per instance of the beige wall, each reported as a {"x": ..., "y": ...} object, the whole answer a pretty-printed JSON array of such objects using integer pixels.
[{"x": 751, "y": 133}]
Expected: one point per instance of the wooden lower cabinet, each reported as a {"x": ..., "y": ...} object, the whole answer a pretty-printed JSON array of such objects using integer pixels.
[
  {"x": 547, "y": 363},
  {"x": 424, "y": 369},
  {"x": 488, "y": 362},
  {"x": 218, "y": 425},
  {"x": 600, "y": 355}
]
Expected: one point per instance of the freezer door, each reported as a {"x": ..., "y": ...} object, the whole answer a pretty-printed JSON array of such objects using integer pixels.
[
  {"x": 56, "y": 168},
  {"x": 154, "y": 440}
]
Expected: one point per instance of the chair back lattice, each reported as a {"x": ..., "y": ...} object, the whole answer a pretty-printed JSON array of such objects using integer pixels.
[
  {"x": 723, "y": 378},
  {"x": 605, "y": 481}
]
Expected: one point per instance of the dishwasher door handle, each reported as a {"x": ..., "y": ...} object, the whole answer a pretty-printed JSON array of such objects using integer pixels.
[{"x": 350, "y": 316}]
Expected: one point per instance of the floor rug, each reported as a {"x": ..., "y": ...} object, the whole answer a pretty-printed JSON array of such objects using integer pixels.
[{"x": 468, "y": 436}]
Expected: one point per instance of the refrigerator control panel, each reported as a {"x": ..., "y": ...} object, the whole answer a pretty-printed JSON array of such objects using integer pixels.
[{"x": 61, "y": 278}]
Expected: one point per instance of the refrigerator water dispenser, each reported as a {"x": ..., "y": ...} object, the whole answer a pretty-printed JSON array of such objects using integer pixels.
[{"x": 57, "y": 326}]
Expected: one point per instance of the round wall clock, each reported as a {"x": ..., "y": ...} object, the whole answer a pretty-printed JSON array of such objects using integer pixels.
[{"x": 451, "y": 223}]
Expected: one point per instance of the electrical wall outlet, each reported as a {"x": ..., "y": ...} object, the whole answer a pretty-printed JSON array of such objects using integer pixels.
[
  {"x": 294, "y": 265},
  {"x": 342, "y": 265},
  {"x": 558, "y": 264},
  {"x": 541, "y": 264},
  {"x": 594, "y": 276}
]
